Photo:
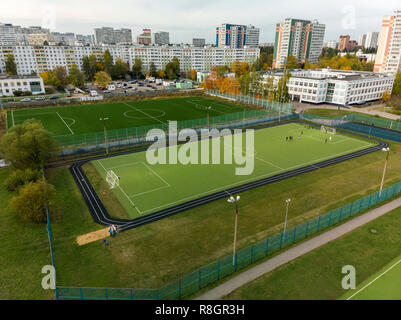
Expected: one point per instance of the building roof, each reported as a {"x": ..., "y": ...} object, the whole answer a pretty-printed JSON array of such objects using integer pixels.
[{"x": 15, "y": 77}]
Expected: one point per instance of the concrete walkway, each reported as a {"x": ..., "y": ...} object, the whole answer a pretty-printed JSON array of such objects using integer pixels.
[{"x": 297, "y": 251}]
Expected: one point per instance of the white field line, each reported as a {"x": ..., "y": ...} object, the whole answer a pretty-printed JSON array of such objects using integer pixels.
[
  {"x": 148, "y": 115},
  {"x": 12, "y": 117},
  {"x": 199, "y": 104},
  {"x": 379, "y": 276},
  {"x": 222, "y": 188},
  {"x": 155, "y": 173},
  {"x": 122, "y": 190},
  {"x": 72, "y": 132},
  {"x": 149, "y": 191}
]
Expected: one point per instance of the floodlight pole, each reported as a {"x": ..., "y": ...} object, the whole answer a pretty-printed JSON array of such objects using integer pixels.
[
  {"x": 105, "y": 133},
  {"x": 384, "y": 170},
  {"x": 286, "y": 215},
  {"x": 235, "y": 201},
  {"x": 208, "y": 124}
]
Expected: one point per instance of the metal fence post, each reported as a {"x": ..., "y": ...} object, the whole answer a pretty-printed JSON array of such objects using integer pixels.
[
  {"x": 267, "y": 247},
  {"x": 218, "y": 269},
  {"x": 179, "y": 288},
  {"x": 307, "y": 229},
  {"x": 199, "y": 278},
  {"x": 105, "y": 294}
]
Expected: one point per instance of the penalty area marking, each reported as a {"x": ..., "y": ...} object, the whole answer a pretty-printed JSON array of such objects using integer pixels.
[
  {"x": 162, "y": 114},
  {"x": 379, "y": 276},
  {"x": 72, "y": 132}
]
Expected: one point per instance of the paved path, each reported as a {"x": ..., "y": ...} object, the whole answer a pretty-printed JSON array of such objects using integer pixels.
[
  {"x": 297, "y": 251},
  {"x": 366, "y": 110}
]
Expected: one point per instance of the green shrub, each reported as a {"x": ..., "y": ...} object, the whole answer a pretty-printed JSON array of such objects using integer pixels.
[{"x": 19, "y": 178}]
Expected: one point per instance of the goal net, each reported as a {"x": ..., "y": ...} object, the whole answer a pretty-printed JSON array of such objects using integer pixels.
[
  {"x": 112, "y": 179},
  {"x": 328, "y": 130}
]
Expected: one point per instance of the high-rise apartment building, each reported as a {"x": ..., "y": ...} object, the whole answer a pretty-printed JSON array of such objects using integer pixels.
[
  {"x": 231, "y": 36},
  {"x": 389, "y": 45},
  {"x": 252, "y": 36},
  {"x": 300, "y": 38},
  {"x": 107, "y": 35},
  {"x": 371, "y": 40},
  {"x": 343, "y": 42},
  {"x": 330, "y": 44},
  {"x": 161, "y": 38},
  {"x": 145, "y": 37},
  {"x": 198, "y": 42},
  {"x": 362, "y": 40}
]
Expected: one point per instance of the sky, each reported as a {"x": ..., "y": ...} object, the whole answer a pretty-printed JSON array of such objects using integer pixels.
[{"x": 187, "y": 19}]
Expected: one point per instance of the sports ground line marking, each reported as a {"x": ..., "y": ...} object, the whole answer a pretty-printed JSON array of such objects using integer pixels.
[
  {"x": 12, "y": 117},
  {"x": 379, "y": 276},
  {"x": 199, "y": 104},
  {"x": 122, "y": 190},
  {"x": 145, "y": 113},
  {"x": 72, "y": 132},
  {"x": 222, "y": 188}
]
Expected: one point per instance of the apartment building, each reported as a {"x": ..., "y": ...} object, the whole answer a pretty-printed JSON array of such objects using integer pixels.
[
  {"x": 198, "y": 42},
  {"x": 161, "y": 38},
  {"x": 340, "y": 87},
  {"x": 389, "y": 45},
  {"x": 37, "y": 59},
  {"x": 252, "y": 36},
  {"x": 9, "y": 84},
  {"x": 145, "y": 38},
  {"x": 300, "y": 38},
  {"x": 107, "y": 35},
  {"x": 330, "y": 44},
  {"x": 231, "y": 36}
]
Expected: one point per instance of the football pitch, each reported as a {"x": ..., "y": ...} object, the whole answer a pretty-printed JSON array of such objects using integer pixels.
[
  {"x": 81, "y": 119},
  {"x": 145, "y": 188},
  {"x": 385, "y": 285}
]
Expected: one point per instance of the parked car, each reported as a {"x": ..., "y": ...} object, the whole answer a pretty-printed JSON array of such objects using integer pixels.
[
  {"x": 25, "y": 100},
  {"x": 107, "y": 91},
  {"x": 53, "y": 97},
  {"x": 94, "y": 93},
  {"x": 40, "y": 98}
]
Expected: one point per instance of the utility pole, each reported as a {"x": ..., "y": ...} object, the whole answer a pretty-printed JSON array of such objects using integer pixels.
[
  {"x": 235, "y": 201},
  {"x": 384, "y": 170}
]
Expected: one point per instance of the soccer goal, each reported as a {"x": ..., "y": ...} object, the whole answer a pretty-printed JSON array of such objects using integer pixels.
[
  {"x": 112, "y": 179},
  {"x": 328, "y": 130}
]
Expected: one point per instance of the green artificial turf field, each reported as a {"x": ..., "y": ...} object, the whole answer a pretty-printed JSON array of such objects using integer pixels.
[
  {"x": 68, "y": 120},
  {"x": 145, "y": 188},
  {"x": 384, "y": 285}
]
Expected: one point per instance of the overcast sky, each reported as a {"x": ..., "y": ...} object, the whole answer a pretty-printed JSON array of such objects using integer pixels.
[{"x": 186, "y": 19}]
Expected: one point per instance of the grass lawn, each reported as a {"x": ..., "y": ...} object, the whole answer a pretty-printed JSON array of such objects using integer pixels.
[
  {"x": 317, "y": 275},
  {"x": 329, "y": 113},
  {"x": 153, "y": 255},
  {"x": 145, "y": 188},
  {"x": 24, "y": 251},
  {"x": 81, "y": 119},
  {"x": 384, "y": 285}
]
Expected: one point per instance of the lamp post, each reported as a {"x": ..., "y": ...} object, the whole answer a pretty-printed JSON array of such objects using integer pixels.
[
  {"x": 105, "y": 133},
  {"x": 207, "y": 109},
  {"x": 384, "y": 170},
  {"x": 235, "y": 201},
  {"x": 286, "y": 215}
]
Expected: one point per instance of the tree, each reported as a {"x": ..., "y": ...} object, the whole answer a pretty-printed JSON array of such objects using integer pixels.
[
  {"x": 19, "y": 178},
  {"x": 46, "y": 76},
  {"x": 90, "y": 66},
  {"x": 173, "y": 69},
  {"x": 11, "y": 67},
  {"x": 236, "y": 68},
  {"x": 386, "y": 96},
  {"x": 152, "y": 69},
  {"x": 244, "y": 67},
  {"x": 221, "y": 71},
  {"x": 30, "y": 203},
  {"x": 193, "y": 74},
  {"x": 76, "y": 77},
  {"x": 27, "y": 145},
  {"x": 397, "y": 84},
  {"x": 108, "y": 63},
  {"x": 292, "y": 62},
  {"x": 160, "y": 74},
  {"x": 102, "y": 79},
  {"x": 281, "y": 93},
  {"x": 137, "y": 67},
  {"x": 121, "y": 68},
  {"x": 60, "y": 77}
]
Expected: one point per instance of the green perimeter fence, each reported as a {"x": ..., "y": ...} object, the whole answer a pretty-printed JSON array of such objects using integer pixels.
[
  {"x": 219, "y": 269},
  {"x": 80, "y": 144}
]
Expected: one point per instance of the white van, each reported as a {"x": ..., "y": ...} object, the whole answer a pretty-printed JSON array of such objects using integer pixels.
[
  {"x": 111, "y": 87},
  {"x": 94, "y": 93}
]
